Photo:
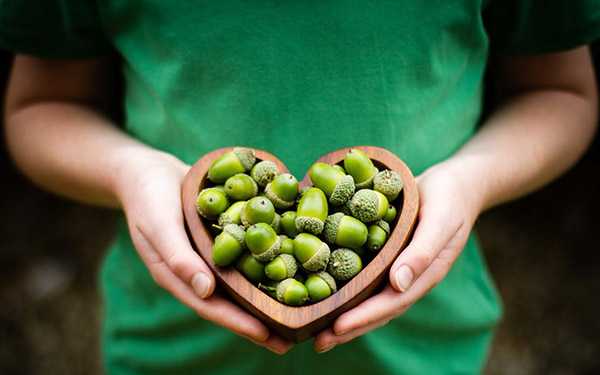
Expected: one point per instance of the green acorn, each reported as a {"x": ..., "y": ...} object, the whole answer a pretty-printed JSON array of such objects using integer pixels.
[
  {"x": 320, "y": 286},
  {"x": 276, "y": 223},
  {"x": 287, "y": 245},
  {"x": 312, "y": 211},
  {"x": 264, "y": 172},
  {"x": 368, "y": 205},
  {"x": 288, "y": 224},
  {"x": 263, "y": 242},
  {"x": 388, "y": 183},
  {"x": 250, "y": 267},
  {"x": 344, "y": 264},
  {"x": 378, "y": 234},
  {"x": 360, "y": 167},
  {"x": 282, "y": 191},
  {"x": 311, "y": 252},
  {"x": 282, "y": 267},
  {"x": 345, "y": 231},
  {"x": 390, "y": 214},
  {"x": 239, "y": 160},
  {"x": 257, "y": 210},
  {"x": 340, "y": 168},
  {"x": 292, "y": 292},
  {"x": 232, "y": 214},
  {"x": 211, "y": 202},
  {"x": 337, "y": 186},
  {"x": 240, "y": 187},
  {"x": 228, "y": 245}
]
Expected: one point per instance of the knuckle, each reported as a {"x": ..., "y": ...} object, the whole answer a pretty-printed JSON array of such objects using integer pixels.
[
  {"x": 177, "y": 263},
  {"x": 422, "y": 260}
]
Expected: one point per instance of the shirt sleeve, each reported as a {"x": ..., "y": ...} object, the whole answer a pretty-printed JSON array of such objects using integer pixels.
[
  {"x": 53, "y": 28},
  {"x": 541, "y": 26}
]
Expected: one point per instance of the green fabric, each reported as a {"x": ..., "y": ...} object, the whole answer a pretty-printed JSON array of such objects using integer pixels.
[{"x": 298, "y": 79}]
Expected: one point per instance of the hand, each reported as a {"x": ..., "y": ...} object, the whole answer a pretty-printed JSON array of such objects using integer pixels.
[
  {"x": 448, "y": 209},
  {"x": 149, "y": 190}
]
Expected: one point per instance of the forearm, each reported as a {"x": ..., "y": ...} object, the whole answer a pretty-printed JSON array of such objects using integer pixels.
[
  {"x": 72, "y": 150},
  {"x": 531, "y": 139}
]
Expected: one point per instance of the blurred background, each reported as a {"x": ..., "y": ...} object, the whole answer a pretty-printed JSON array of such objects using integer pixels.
[{"x": 542, "y": 251}]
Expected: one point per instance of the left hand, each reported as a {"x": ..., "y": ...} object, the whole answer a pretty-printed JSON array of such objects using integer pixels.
[{"x": 448, "y": 209}]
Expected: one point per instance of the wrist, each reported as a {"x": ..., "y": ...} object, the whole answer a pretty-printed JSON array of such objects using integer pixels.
[{"x": 131, "y": 165}]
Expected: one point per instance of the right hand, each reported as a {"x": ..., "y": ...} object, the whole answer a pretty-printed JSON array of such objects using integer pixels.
[{"x": 148, "y": 186}]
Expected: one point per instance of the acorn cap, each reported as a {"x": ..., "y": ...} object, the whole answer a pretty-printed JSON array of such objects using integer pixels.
[
  {"x": 309, "y": 224},
  {"x": 330, "y": 228},
  {"x": 237, "y": 232},
  {"x": 319, "y": 260},
  {"x": 270, "y": 253},
  {"x": 232, "y": 214},
  {"x": 343, "y": 191},
  {"x": 274, "y": 198},
  {"x": 389, "y": 183},
  {"x": 246, "y": 156},
  {"x": 344, "y": 264},
  {"x": 264, "y": 172},
  {"x": 384, "y": 225},
  {"x": 366, "y": 205},
  {"x": 329, "y": 280}
]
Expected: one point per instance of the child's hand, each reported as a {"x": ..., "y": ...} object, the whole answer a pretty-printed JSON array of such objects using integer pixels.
[
  {"x": 149, "y": 188},
  {"x": 448, "y": 210}
]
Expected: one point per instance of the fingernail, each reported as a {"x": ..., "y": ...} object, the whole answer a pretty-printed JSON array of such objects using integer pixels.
[
  {"x": 326, "y": 349},
  {"x": 201, "y": 284},
  {"x": 404, "y": 277}
]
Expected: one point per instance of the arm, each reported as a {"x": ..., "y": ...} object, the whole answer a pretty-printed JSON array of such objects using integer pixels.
[
  {"x": 544, "y": 123},
  {"x": 59, "y": 136}
]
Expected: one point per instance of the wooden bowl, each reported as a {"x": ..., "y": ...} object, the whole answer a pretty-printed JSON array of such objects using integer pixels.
[{"x": 300, "y": 323}]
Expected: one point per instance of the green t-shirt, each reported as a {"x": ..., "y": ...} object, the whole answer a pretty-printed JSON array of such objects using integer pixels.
[{"x": 298, "y": 78}]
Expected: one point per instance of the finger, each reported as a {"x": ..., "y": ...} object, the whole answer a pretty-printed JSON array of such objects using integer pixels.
[
  {"x": 275, "y": 344},
  {"x": 215, "y": 308},
  {"x": 434, "y": 231},
  {"x": 172, "y": 244},
  {"x": 327, "y": 339},
  {"x": 389, "y": 303}
]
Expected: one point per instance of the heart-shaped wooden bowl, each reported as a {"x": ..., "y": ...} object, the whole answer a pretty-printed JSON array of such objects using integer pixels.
[{"x": 300, "y": 323}]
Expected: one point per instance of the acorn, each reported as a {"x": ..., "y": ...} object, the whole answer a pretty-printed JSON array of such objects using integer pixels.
[
  {"x": 241, "y": 187},
  {"x": 344, "y": 264},
  {"x": 378, "y": 234},
  {"x": 288, "y": 224},
  {"x": 263, "y": 242},
  {"x": 292, "y": 292},
  {"x": 257, "y": 210},
  {"x": 264, "y": 172},
  {"x": 282, "y": 191},
  {"x": 311, "y": 252},
  {"x": 229, "y": 245},
  {"x": 282, "y": 267},
  {"x": 239, "y": 160},
  {"x": 389, "y": 183},
  {"x": 211, "y": 202},
  {"x": 339, "y": 168},
  {"x": 320, "y": 286},
  {"x": 312, "y": 211},
  {"x": 287, "y": 245},
  {"x": 390, "y": 214},
  {"x": 232, "y": 214},
  {"x": 368, "y": 205},
  {"x": 345, "y": 231},
  {"x": 250, "y": 267},
  {"x": 360, "y": 167},
  {"x": 337, "y": 186},
  {"x": 276, "y": 223}
]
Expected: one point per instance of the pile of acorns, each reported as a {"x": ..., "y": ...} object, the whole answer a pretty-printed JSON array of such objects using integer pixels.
[{"x": 281, "y": 238}]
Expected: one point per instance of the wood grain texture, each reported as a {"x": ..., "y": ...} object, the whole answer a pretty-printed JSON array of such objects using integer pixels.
[{"x": 300, "y": 323}]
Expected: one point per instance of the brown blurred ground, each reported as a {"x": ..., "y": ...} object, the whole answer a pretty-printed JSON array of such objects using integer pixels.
[{"x": 542, "y": 251}]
